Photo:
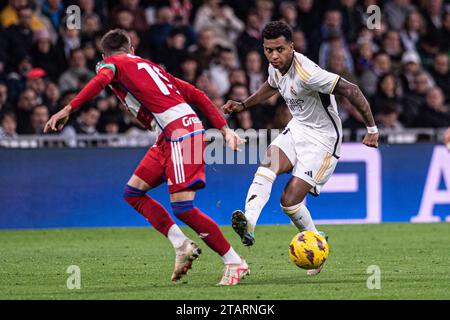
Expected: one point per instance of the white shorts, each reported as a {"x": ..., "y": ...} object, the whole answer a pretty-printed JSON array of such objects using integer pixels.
[{"x": 311, "y": 163}]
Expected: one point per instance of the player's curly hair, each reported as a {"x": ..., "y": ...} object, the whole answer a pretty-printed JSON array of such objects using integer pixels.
[
  {"x": 115, "y": 40},
  {"x": 276, "y": 29}
]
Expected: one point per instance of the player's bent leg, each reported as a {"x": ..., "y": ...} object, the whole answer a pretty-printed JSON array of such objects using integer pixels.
[
  {"x": 135, "y": 194},
  {"x": 183, "y": 207},
  {"x": 291, "y": 202},
  {"x": 275, "y": 162}
]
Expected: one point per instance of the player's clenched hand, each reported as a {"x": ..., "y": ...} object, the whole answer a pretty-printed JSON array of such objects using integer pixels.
[
  {"x": 58, "y": 120},
  {"x": 232, "y": 139},
  {"x": 232, "y": 106},
  {"x": 371, "y": 140}
]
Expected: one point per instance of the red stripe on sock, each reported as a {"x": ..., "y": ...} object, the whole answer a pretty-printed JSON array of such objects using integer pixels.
[{"x": 207, "y": 229}]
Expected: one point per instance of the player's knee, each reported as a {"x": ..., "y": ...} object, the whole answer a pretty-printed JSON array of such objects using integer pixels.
[
  {"x": 180, "y": 207},
  {"x": 288, "y": 199},
  {"x": 130, "y": 194}
]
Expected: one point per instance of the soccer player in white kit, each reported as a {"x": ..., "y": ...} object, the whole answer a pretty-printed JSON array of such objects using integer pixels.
[{"x": 309, "y": 147}]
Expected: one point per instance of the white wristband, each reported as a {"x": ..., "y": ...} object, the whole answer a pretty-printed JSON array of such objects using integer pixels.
[{"x": 372, "y": 130}]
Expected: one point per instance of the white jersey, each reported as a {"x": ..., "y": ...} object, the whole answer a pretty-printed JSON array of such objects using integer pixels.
[{"x": 307, "y": 90}]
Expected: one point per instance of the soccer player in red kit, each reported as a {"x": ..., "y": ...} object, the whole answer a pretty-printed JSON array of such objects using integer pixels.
[{"x": 159, "y": 100}]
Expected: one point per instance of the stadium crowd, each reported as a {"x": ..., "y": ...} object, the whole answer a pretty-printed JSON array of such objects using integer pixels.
[{"x": 402, "y": 66}]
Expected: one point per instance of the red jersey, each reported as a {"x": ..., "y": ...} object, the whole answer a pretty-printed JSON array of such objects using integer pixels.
[{"x": 156, "y": 98}]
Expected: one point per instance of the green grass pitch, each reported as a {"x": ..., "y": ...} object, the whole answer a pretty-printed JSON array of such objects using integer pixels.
[{"x": 136, "y": 263}]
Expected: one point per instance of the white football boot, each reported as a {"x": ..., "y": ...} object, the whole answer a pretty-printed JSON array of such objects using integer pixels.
[
  {"x": 184, "y": 256},
  {"x": 234, "y": 273}
]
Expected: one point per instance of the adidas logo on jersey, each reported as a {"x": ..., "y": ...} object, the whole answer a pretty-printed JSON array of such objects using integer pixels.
[{"x": 308, "y": 173}]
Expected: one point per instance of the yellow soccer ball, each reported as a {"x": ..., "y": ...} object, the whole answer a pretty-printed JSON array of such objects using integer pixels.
[{"x": 308, "y": 250}]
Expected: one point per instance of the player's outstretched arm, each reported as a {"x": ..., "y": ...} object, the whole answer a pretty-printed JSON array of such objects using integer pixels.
[
  {"x": 262, "y": 94},
  {"x": 92, "y": 89},
  {"x": 356, "y": 97}
]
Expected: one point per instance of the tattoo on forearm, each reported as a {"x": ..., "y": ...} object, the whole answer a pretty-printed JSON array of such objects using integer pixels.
[{"x": 356, "y": 97}]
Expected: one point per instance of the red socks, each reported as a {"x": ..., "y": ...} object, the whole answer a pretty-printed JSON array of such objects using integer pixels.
[
  {"x": 207, "y": 229},
  {"x": 152, "y": 210}
]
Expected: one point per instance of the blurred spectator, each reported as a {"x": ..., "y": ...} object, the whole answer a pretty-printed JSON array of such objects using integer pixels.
[
  {"x": 335, "y": 42},
  {"x": 165, "y": 22},
  {"x": 255, "y": 73},
  {"x": 206, "y": 49},
  {"x": 435, "y": 113},
  {"x": 68, "y": 41},
  {"x": 387, "y": 93},
  {"x": 51, "y": 97},
  {"x": 139, "y": 21},
  {"x": 444, "y": 36},
  {"x": 36, "y": 82},
  {"x": 300, "y": 43},
  {"x": 238, "y": 76},
  {"x": 27, "y": 101},
  {"x": 264, "y": 10},
  {"x": 351, "y": 19},
  {"x": 332, "y": 24},
  {"x": 393, "y": 47},
  {"x": 433, "y": 15},
  {"x": 45, "y": 56},
  {"x": 85, "y": 123},
  {"x": 8, "y": 125},
  {"x": 413, "y": 30},
  {"x": 55, "y": 11},
  {"x": 410, "y": 67},
  {"x": 369, "y": 78},
  {"x": 288, "y": 14},
  {"x": 190, "y": 69},
  {"x": 90, "y": 26},
  {"x": 18, "y": 38},
  {"x": 10, "y": 15},
  {"x": 78, "y": 72},
  {"x": 396, "y": 12},
  {"x": 364, "y": 56},
  {"x": 220, "y": 71},
  {"x": 250, "y": 38},
  {"x": 38, "y": 119},
  {"x": 16, "y": 80},
  {"x": 388, "y": 117},
  {"x": 415, "y": 100},
  {"x": 220, "y": 18},
  {"x": 441, "y": 74},
  {"x": 173, "y": 52},
  {"x": 308, "y": 20},
  {"x": 336, "y": 64}
]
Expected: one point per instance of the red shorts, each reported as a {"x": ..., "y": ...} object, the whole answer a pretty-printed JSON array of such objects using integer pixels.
[{"x": 180, "y": 164}]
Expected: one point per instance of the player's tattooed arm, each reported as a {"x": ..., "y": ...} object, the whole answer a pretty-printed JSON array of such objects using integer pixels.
[{"x": 356, "y": 97}]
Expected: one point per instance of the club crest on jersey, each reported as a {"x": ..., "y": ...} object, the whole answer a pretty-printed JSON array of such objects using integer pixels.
[
  {"x": 187, "y": 121},
  {"x": 293, "y": 91}
]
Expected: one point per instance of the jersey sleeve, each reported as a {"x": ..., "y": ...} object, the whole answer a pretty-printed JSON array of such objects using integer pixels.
[
  {"x": 271, "y": 78},
  {"x": 102, "y": 65},
  {"x": 318, "y": 79},
  {"x": 195, "y": 96},
  {"x": 93, "y": 88}
]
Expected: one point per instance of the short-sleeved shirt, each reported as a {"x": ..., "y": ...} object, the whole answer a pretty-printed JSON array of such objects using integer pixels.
[{"x": 308, "y": 92}]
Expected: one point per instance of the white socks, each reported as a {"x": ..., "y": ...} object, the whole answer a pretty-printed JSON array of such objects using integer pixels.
[
  {"x": 176, "y": 236},
  {"x": 301, "y": 217},
  {"x": 258, "y": 195},
  {"x": 231, "y": 257}
]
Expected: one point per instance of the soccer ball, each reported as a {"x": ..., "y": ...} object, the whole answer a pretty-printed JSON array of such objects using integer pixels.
[{"x": 308, "y": 250}]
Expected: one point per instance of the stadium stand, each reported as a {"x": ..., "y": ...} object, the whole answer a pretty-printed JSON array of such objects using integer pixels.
[{"x": 402, "y": 67}]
